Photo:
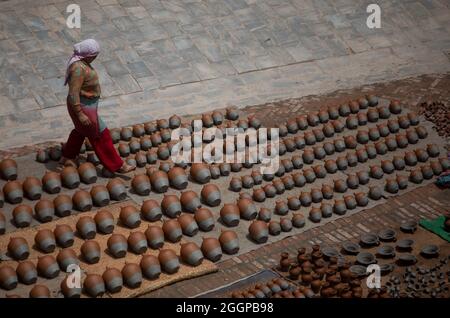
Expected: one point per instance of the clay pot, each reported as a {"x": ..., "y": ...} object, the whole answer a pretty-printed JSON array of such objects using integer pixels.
[
  {"x": 230, "y": 214},
  {"x": 172, "y": 230},
  {"x": 299, "y": 179},
  {"x": 350, "y": 202},
  {"x": 333, "y": 112},
  {"x": 169, "y": 261},
  {"x": 339, "y": 145},
  {"x": 326, "y": 210},
  {"x": 274, "y": 228},
  {"x": 26, "y": 272},
  {"x": 287, "y": 164},
  {"x": 117, "y": 245},
  {"x": 87, "y": 173},
  {"x": 315, "y": 215},
  {"x": 427, "y": 172},
  {"x": 151, "y": 211},
  {"x": 376, "y": 172},
  {"x": 387, "y": 166},
  {"x": 22, "y": 215},
  {"x": 51, "y": 182},
  {"x": 64, "y": 235},
  {"x": 403, "y": 122},
  {"x": 100, "y": 195},
  {"x": 351, "y": 122},
  {"x": 383, "y": 112},
  {"x": 191, "y": 254},
  {"x": 292, "y": 126},
  {"x": 42, "y": 156},
  {"x": 94, "y": 285},
  {"x": 410, "y": 158},
  {"x": 394, "y": 107},
  {"x": 140, "y": 159},
  {"x": 145, "y": 143},
  {"x": 373, "y": 115},
  {"x": 113, "y": 280},
  {"x": 286, "y": 224},
  {"x": 294, "y": 203},
  {"x": 421, "y": 132},
  {"x": 129, "y": 216},
  {"x": 412, "y": 136},
  {"x": 323, "y": 115},
  {"x": 299, "y": 142},
  {"x": 363, "y": 103},
  {"x": 66, "y": 257},
  {"x": 141, "y": 184},
  {"x": 361, "y": 199},
  {"x": 281, "y": 208},
  {"x": 375, "y": 193},
  {"x": 381, "y": 147},
  {"x": 211, "y": 249},
  {"x": 8, "y": 277},
  {"x": 310, "y": 139},
  {"x": 190, "y": 201},
  {"x": 13, "y": 192},
  {"x": 259, "y": 195},
  {"x": 285, "y": 262},
  {"x": 188, "y": 224},
  {"x": 313, "y": 119},
  {"x": 362, "y": 119},
  {"x": 204, "y": 219},
  {"x": 247, "y": 209},
  {"x": 279, "y": 186},
  {"x": 316, "y": 195},
  {"x": 18, "y": 248},
  {"x": 258, "y": 231},
  {"x": 391, "y": 186},
  {"x": 229, "y": 242},
  {"x": 8, "y": 169},
  {"x": 150, "y": 266},
  {"x": 421, "y": 155},
  {"x": 413, "y": 118},
  {"x": 2, "y": 223},
  {"x": 264, "y": 214},
  {"x": 433, "y": 150},
  {"x": 63, "y": 205},
  {"x": 352, "y": 159},
  {"x": 445, "y": 163},
  {"x": 82, "y": 201},
  {"x": 104, "y": 222},
  {"x": 402, "y": 182},
  {"x": 398, "y": 162},
  {"x": 151, "y": 156},
  {"x": 45, "y": 241},
  {"x": 328, "y": 130},
  {"x": 298, "y": 220},
  {"x": 69, "y": 292},
  {"x": 137, "y": 242},
  {"x": 200, "y": 173},
  {"x": 342, "y": 163},
  {"x": 352, "y": 181},
  {"x": 47, "y": 267},
  {"x": 33, "y": 188},
  {"x": 90, "y": 250},
  {"x": 70, "y": 178},
  {"x": 436, "y": 167},
  {"x": 211, "y": 195},
  {"x": 156, "y": 139},
  {"x": 178, "y": 178},
  {"x": 231, "y": 114},
  {"x": 225, "y": 169},
  {"x": 340, "y": 186},
  {"x": 126, "y": 133},
  {"x": 344, "y": 110}
]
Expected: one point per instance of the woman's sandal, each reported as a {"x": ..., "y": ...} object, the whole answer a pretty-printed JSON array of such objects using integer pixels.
[
  {"x": 66, "y": 162},
  {"x": 126, "y": 168}
]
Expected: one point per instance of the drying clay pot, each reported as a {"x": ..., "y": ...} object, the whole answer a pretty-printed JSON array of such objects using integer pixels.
[
  {"x": 150, "y": 266},
  {"x": 211, "y": 195},
  {"x": 145, "y": 143},
  {"x": 115, "y": 135},
  {"x": 94, "y": 285},
  {"x": 383, "y": 112},
  {"x": 217, "y": 117},
  {"x": 8, "y": 277},
  {"x": 433, "y": 150},
  {"x": 342, "y": 163},
  {"x": 18, "y": 248},
  {"x": 171, "y": 205},
  {"x": 156, "y": 139},
  {"x": 279, "y": 186},
  {"x": 257, "y": 177},
  {"x": 66, "y": 257},
  {"x": 215, "y": 171},
  {"x": 191, "y": 254},
  {"x": 298, "y": 220},
  {"x": 333, "y": 112},
  {"x": 294, "y": 203},
  {"x": 45, "y": 241},
  {"x": 315, "y": 215},
  {"x": 247, "y": 209},
  {"x": 436, "y": 167},
  {"x": 64, "y": 235},
  {"x": 231, "y": 114},
  {"x": 204, "y": 219},
  {"x": 387, "y": 166},
  {"x": 403, "y": 122},
  {"x": 2, "y": 223},
  {"x": 410, "y": 158},
  {"x": 87, "y": 173},
  {"x": 12, "y": 191},
  {"x": 90, "y": 250},
  {"x": 323, "y": 115},
  {"x": 292, "y": 126},
  {"x": 47, "y": 267},
  {"x": 299, "y": 142},
  {"x": 70, "y": 177},
  {"x": 151, "y": 211},
  {"x": 141, "y": 159},
  {"x": 116, "y": 189},
  {"x": 427, "y": 172},
  {"x": 259, "y": 195},
  {"x": 318, "y": 134},
  {"x": 326, "y": 210},
  {"x": 363, "y": 177},
  {"x": 381, "y": 147},
  {"x": 398, "y": 162},
  {"x": 421, "y": 132},
  {"x": 363, "y": 103},
  {"x": 299, "y": 179},
  {"x": 445, "y": 163},
  {"x": 22, "y": 215},
  {"x": 328, "y": 130},
  {"x": 352, "y": 159},
  {"x": 169, "y": 261},
  {"x": 86, "y": 227},
  {"x": 327, "y": 191},
  {"x": 339, "y": 207},
  {"x": 100, "y": 195},
  {"x": 375, "y": 193},
  {"x": 394, "y": 107},
  {"x": 32, "y": 188},
  {"x": 112, "y": 278},
  {"x": 200, "y": 173},
  {"x": 376, "y": 172},
  {"x": 402, "y": 182},
  {"x": 413, "y": 118},
  {"x": 92, "y": 158},
  {"x": 117, "y": 245},
  {"x": 305, "y": 198},
  {"x": 230, "y": 214},
  {"x": 352, "y": 181},
  {"x": 412, "y": 136},
  {"x": 281, "y": 208},
  {"x": 63, "y": 205},
  {"x": 362, "y": 119},
  {"x": 339, "y": 145},
  {"x": 172, "y": 230},
  {"x": 188, "y": 225},
  {"x": 126, "y": 133},
  {"x": 264, "y": 214},
  {"x": 421, "y": 155},
  {"x": 211, "y": 249},
  {"x": 8, "y": 169},
  {"x": 44, "y": 210},
  {"x": 137, "y": 242},
  {"x": 313, "y": 119},
  {"x": 162, "y": 124},
  {"x": 229, "y": 242},
  {"x": 160, "y": 181},
  {"x": 340, "y": 186},
  {"x": 372, "y": 115},
  {"x": 141, "y": 184},
  {"x": 178, "y": 178},
  {"x": 26, "y": 273},
  {"x": 235, "y": 184},
  {"x": 319, "y": 152},
  {"x": 155, "y": 235},
  {"x": 286, "y": 224},
  {"x": 129, "y": 216},
  {"x": 361, "y": 199},
  {"x": 383, "y": 129},
  {"x": 344, "y": 110},
  {"x": 287, "y": 164},
  {"x": 82, "y": 200},
  {"x": 350, "y": 202},
  {"x": 163, "y": 152},
  {"x": 51, "y": 182},
  {"x": 351, "y": 122},
  {"x": 190, "y": 201},
  {"x": 316, "y": 195},
  {"x": 151, "y": 156},
  {"x": 69, "y": 292},
  {"x": 309, "y": 175},
  {"x": 310, "y": 139},
  {"x": 402, "y": 140},
  {"x": 391, "y": 186},
  {"x": 42, "y": 156}
]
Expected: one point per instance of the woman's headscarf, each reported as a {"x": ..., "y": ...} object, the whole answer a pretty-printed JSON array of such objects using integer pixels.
[{"x": 81, "y": 50}]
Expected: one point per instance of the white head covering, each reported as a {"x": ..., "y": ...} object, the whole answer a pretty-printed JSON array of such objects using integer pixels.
[{"x": 81, "y": 50}]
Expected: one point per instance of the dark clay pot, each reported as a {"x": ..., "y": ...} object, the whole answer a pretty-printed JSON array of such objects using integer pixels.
[
  {"x": 211, "y": 249},
  {"x": 298, "y": 220},
  {"x": 44, "y": 210},
  {"x": 229, "y": 242},
  {"x": 129, "y": 216},
  {"x": 326, "y": 210},
  {"x": 51, "y": 182},
  {"x": 82, "y": 200},
  {"x": 70, "y": 178},
  {"x": 100, "y": 195},
  {"x": 141, "y": 184},
  {"x": 305, "y": 198},
  {"x": 264, "y": 214},
  {"x": 64, "y": 235},
  {"x": 190, "y": 201},
  {"x": 18, "y": 248},
  {"x": 339, "y": 207},
  {"x": 281, "y": 208},
  {"x": 45, "y": 241},
  {"x": 422, "y": 132},
  {"x": 8, "y": 169},
  {"x": 90, "y": 250},
  {"x": 47, "y": 267},
  {"x": 27, "y": 273},
  {"x": 113, "y": 280},
  {"x": 172, "y": 230},
  {"x": 169, "y": 261},
  {"x": 211, "y": 195},
  {"x": 191, "y": 254},
  {"x": 375, "y": 193},
  {"x": 8, "y": 278},
  {"x": 13, "y": 192},
  {"x": 150, "y": 266},
  {"x": 137, "y": 242},
  {"x": 32, "y": 188},
  {"x": 22, "y": 215},
  {"x": 200, "y": 173},
  {"x": 230, "y": 214},
  {"x": 188, "y": 224},
  {"x": 391, "y": 186},
  {"x": 315, "y": 215},
  {"x": 416, "y": 176},
  {"x": 171, "y": 206},
  {"x": 247, "y": 209},
  {"x": 204, "y": 219},
  {"x": 352, "y": 181},
  {"x": 94, "y": 285}
]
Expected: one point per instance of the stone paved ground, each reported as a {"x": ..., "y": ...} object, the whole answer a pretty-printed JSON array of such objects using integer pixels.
[{"x": 190, "y": 56}]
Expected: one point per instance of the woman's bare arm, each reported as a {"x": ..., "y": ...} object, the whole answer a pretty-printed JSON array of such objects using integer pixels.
[{"x": 76, "y": 78}]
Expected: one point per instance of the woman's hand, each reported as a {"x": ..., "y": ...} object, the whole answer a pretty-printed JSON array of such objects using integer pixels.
[{"x": 84, "y": 119}]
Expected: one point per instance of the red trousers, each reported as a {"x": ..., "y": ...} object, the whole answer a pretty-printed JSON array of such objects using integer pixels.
[{"x": 103, "y": 147}]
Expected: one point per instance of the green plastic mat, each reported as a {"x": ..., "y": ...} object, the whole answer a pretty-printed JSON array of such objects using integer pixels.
[{"x": 436, "y": 226}]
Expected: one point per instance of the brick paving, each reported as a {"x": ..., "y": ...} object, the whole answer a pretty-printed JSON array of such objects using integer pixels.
[
  {"x": 436, "y": 199},
  {"x": 190, "y": 56}
]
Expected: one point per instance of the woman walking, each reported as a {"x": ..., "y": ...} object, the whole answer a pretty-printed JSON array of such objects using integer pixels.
[{"x": 82, "y": 104}]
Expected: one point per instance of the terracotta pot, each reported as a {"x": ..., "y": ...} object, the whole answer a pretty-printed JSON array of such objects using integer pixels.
[
  {"x": 259, "y": 195},
  {"x": 293, "y": 203},
  {"x": 200, "y": 173},
  {"x": 402, "y": 182},
  {"x": 70, "y": 178},
  {"x": 410, "y": 158},
  {"x": 230, "y": 214},
  {"x": 350, "y": 202},
  {"x": 279, "y": 186},
  {"x": 338, "y": 126},
  {"x": 204, "y": 219},
  {"x": 391, "y": 186},
  {"x": 394, "y": 107},
  {"x": 47, "y": 267},
  {"x": 318, "y": 134},
  {"x": 87, "y": 173},
  {"x": 352, "y": 159},
  {"x": 362, "y": 119},
  {"x": 8, "y": 169},
  {"x": 292, "y": 126},
  {"x": 137, "y": 242},
  {"x": 225, "y": 169},
  {"x": 305, "y": 199},
  {"x": 151, "y": 211},
  {"x": 354, "y": 106},
  {"x": 352, "y": 181},
  {"x": 124, "y": 150},
  {"x": 211, "y": 195},
  {"x": 169, "y": 261},
  {"x": 172, "y": 230},
  {"x": 86, "y": 227},
  {"x": 141, "y": 184},
  {"x": 63, "y": 205},
  {"x": 286, "y": 224},
  {"x": 342, "y": 163},
  {"x": 326, "y": 210},
  {"x": 117, "y": 245},
  {"x": 39, "y": 291},
  {"x": 421, "y": 132},
  {"x": 315, "y": 215},
  {"x": 427, "y": 172},
  {"x": 383, "y": 112},
  {"x": 145, "y": 143},
  {"x": 18, "y": 248},
  {"x": 421, "y": 155},
  {"x": 33, "y": 188},
  {"x": 339, "y": 207},
  {"x": 258, "y": 231},
  {"x": 2, "y": 223},
  {"x": 191, "y": 254},
  {"x": 413, "y": 118},
  {"x": 361, "y": 199},
  {"x": 231, "y": 114},
  {"x": 316, "y": 195},
  {"x": 445, "y": 163},
  {"x": 94, "y": 285},
  {"x": 264, "y": 215},
  {"x": 82, "y": 201},
  {"x": 190, "y": 201},
  {"x": 45, "y": 241},
  {"x": 151, "y": 156},
  {"x": 64, "y": 235},
  {"x": 188, "y": 224},
  {"x": 26, "y": 273},
  {"x": 309, "y": 175},
  {"x": 42, "y": 156},
  {"x": 247, "y": 209},
  {"x": 351, "y": 122},
  {"x": 285, "y": 262},
  {"x": 162, "y": 124},
  {"x": 340, "y": 186},
  {"x": 13, "y": 192},
  {"x": 126, "y": 133},
  {"x": 229, "y": 242},
  {"x": 274, "y": 228},
  {"x": 333, "y": 112},
  {"x": 436, "y": 167},
  {"x": 211, "y": 249},
  {"x": 235, "y": 184},
  {"x": 100, "y": 195},
  {"x": 22, "y": 215},
  {"x": 141, "y": 159},
  {"x": 299, "y": 142},
  {"x": 90, "y": 250},
  {"x": 235, "y": 167},
  {"x": 433, "y": 150},
  {"x": 44, "y": 210},
  {"x": 375, "y": 193},
  {"x": 376, "y": 172},
  {"x": 373, "y": 115},
  {"x": 403, "y": 122},
  {"x": 178, "y": 178},
  {"x": 412, "y": 136},
  {"x": 69, "y": 292},
  {"x": 129, "y": 216},
  {"x": 156, "y": 139},
  {"x": 51, "y": 182},
  {"x": 327, "y": 130},
  {"x": 8, "y": 277},
  {"x": 310, "y": 139},
  {"x": 113, "y": 280},
  {"x": 344, "y": 110},
  {"x": 299, "y": 179}
]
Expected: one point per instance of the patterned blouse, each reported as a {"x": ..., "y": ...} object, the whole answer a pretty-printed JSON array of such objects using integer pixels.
[{"x": 83, "y": 82}]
